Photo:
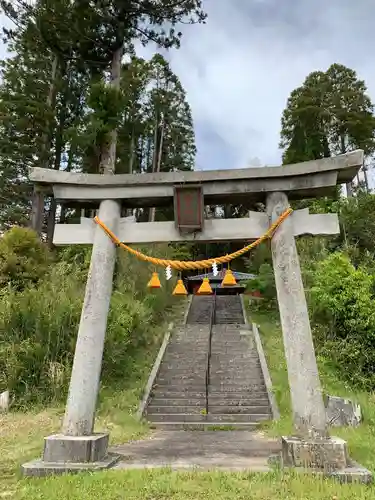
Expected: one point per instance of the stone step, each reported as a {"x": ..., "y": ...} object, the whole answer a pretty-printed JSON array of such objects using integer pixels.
[
  {"x": 215, "y": 398},
  {"x": 231, "y": 362},
  {"x": 189, "y": 356},
  {"x": 166, "y": 410},
  {"x": 218, "y": 329},
  {"x": 201, "y": 402},
  {"x": 233, "y": 357},
  {"x": 167, "y": 370},
  {"x": 178, "y": 393},
  {"x": 236, "y": 409},
  {"x": 171, "y": 359},
  {"x": 181, "y": 381},
  {"x": 236, "y": 369},
  {"x": 204, "y": 426},
  {"x": 192, "y": 383},
  {"x": 211, "y": 418},
  {"x": 214, "y": 402},
  {"x": 240, "y": 384},
  {"x": 252, "y": 377},
  {"x": 220, "y": 351},
  {"x": 240, "y": 344},
  {"x": 230, "y": 357},
  {"x": 182, "y": 374},
  {"x": 235, "y": 319},
  {"x": 235, "y": 346},
  {"x": 230, "y": 388},
  {"x": 185, "y": 349},
  {"x": 190, "y": 341},
  {"x": 230, "y": 370},
  {"x": 183, "y": 353},
  {"x": 196, "y": 359},
  {"x": 237, "y": 391}
]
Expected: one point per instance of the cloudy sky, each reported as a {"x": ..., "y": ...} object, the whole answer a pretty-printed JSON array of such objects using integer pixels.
[{"x": 240, "y": 67}]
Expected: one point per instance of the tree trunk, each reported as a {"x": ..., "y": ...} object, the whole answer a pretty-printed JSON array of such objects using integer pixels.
[
  {"x": 158, "y": 165},
  {"x": 155, "y": 155},
  {"x": 131, "y": 153},
  {"x": 366, "y": 178},
  {"x": 148, "y": 154},
  {"x": 349, "y": 185},
  {"x": 108, "y": 153},
  {"x": 51, "y": 221},
  {"x": 59, "y": 144},
  {"x": 68, "y": 169},
  {"x": 37, "y": 208}
]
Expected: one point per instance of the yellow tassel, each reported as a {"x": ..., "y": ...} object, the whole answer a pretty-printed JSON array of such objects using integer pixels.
[
  {"x": 180, "y": 288},
  {"x": 229, "y": 279},
  {"x": 205, "y": 288},
  {"x": 154, "y": 281}
]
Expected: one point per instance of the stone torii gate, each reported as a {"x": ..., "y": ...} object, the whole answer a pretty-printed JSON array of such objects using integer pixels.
[{"x": 78, "y": 447}]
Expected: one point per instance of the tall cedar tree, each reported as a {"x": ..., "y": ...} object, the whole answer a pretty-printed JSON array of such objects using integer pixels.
[
  {"x": 329, "y": 114},
  {"x": 53, "y": 136}
]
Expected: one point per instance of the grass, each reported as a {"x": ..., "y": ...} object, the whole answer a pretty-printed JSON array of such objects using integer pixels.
[
  {"x": 21, "y": 434},
  {"x": 164, "y": 484},
  {"x": 21, "y": 437}
]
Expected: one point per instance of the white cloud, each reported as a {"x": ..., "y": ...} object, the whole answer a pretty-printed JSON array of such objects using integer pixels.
[{"x": 239, "y": 68}]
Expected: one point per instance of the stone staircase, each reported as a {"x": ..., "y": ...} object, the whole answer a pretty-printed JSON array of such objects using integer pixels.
[
  {"x": 200, "y": 310},
  {"x": 179, "y": 394},
  {"x": 236, "y": 390},
  {"x": 228, "y": 310},
  {"x": 210, "y": 377}
]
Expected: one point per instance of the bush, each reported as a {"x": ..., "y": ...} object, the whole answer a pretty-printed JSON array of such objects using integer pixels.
[
  {"x": 37, "y": 329},
  {"x": 342, "y": 305},
  {"x": 24, "y": 259},
  {"x": 265, "y": 284},
  {"x": 38, "y": 326}
]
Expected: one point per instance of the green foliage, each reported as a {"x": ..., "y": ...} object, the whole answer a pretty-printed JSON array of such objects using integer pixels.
[
  {"x": 329, "y": 114},
  {"x": 260, "y": 255},
  {"x": 23, "y": 258},
  {"x": 37, "y": 331},
  {"x": 358, "y": 224},
  {"x": 107, "y": 102},
  {"x": 38, "y": 325},
  {"x": 264, "y": 283},
  {"x": 342, "y": 300},
  {"x": 55, "y": 110}
]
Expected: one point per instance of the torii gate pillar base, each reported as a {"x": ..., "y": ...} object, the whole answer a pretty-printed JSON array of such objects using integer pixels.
[
  {"x": 324, "y": 458},
  {"x": 71, "y": 454}
]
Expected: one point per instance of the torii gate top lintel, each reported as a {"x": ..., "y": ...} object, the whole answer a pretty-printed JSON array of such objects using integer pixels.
[{"x": 302, "y": 180}]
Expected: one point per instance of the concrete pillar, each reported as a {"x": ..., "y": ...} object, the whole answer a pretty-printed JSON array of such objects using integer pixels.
[
  {"x": 85, "y": 379},
  {"x": 307, "y": 400}
]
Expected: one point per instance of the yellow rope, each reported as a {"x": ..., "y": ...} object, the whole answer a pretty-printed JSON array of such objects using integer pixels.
[{"x": 180, "y": 265}]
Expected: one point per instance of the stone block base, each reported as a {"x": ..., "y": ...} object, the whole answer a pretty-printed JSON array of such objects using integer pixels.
[
  {"x": 39, "y": 468},
  {"x": 64, "y": 454},
  {"x": 327, "y": 458},
  {"x": 76, "y": 449},
  {"x": 326, "y": 454},
  {"x": 353, "y": 473}
]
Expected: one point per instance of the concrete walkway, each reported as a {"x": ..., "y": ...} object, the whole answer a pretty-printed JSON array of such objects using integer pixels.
[{"x": 224, "y": 450}]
